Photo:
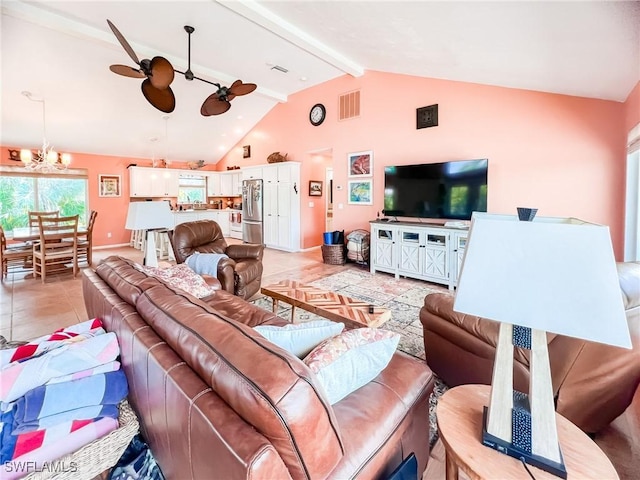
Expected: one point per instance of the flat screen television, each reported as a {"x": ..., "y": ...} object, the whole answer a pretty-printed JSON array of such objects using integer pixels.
[{"x": 448, "y": 190}]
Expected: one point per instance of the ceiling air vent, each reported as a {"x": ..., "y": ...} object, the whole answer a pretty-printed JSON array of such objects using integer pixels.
[{"x": 349, "y": 105}]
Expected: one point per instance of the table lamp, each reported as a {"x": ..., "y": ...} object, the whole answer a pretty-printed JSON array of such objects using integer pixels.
[
  {"x": 149, "y": 216},
  {"x": 537, "y": 275}
]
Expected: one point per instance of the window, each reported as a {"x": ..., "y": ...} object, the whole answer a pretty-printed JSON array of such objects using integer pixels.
[
  {"x": 21, "y": 192},
  {"x": 192, "y": 189}
]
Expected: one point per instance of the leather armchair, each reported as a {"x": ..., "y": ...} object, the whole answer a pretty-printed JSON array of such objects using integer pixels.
[{"x": 240, "y": 274}]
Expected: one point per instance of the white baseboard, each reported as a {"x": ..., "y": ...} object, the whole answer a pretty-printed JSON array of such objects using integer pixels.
[{"x": 115, "y": 245}]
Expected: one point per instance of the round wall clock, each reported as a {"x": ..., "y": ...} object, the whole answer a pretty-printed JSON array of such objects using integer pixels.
[{"x": 317, "y": 114}]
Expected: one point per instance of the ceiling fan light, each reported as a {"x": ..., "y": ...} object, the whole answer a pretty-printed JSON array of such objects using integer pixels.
[{"x": 25, "y": 156}]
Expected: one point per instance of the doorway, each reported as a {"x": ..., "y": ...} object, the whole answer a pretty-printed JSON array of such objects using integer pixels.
[{"x": 329, "y": 200}]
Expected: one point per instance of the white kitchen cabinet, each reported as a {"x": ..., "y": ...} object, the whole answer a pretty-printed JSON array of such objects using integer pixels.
[
  {"x": 251, "y": 173},
  {"x": 226, "y": 184},
  {"x": 221, "y": 217},
  {"x": 281, "y": 206},
  {"x": 153, "y": 182},
  {"x": 223, "y": 221},
  {"x": 236, "y": 184},
  {"x": 165, "y": 182},
  {"x": 426, "y": 252},
  {"x": 213, "y": 184},
  {"x": 139, "y": 185},
  {"x": 184, "y": 217}
]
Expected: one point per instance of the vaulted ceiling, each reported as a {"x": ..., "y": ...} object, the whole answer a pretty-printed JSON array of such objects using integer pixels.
[{"x": 61, "y": 51}]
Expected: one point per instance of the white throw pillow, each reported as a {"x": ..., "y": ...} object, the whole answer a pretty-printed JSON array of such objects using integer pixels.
[
  {"x": 351, "y": 360},
  {"x": 300, "y": 338}
]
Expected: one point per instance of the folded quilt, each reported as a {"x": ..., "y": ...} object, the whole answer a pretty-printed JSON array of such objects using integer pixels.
[
  {"x": 18, "y": 378},
  {"x": 205, "y": 263},
  {"x": 30, "y": 451},
  {"x": 46, "y": 400},
  {"x": 92, "y": 412},
  {"x": 45, "y": 343},
  {"x": 107, "y": 367}
]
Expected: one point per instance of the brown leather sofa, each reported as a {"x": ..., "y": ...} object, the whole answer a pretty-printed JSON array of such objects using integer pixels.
[
  {"x": 239, "y": 274},
  {"x": 593, "y": 383},
  {"x": 216, "y": 400}
]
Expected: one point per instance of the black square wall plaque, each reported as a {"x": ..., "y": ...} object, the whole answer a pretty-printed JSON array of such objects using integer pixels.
[{"x": 427, "y": 116}]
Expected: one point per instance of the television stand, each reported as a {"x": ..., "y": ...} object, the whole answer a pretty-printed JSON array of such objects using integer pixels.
[{"x": 431, "y": 252}]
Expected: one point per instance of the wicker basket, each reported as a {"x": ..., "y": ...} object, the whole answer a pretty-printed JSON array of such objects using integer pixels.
[
  {"x": 333, "y": 254},
  {"x": 99, "y": 455}
]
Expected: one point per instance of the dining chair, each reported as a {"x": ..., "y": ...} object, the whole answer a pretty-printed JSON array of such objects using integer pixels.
[
  {"x": 33, "y": 216},
  {"x": 57, "y": 247},
  {"x": 85, "y": 240},
  {"x": 14, "y": 254}
]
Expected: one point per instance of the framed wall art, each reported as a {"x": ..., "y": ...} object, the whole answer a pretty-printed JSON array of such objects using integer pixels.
[
  {"x": 315, "y": 188},
  {"x": 360, "y": 164},
  {"x": 246, "y": 151},
  {"x": 360, "y": 192},
  {"x": 109, "y": 185}
]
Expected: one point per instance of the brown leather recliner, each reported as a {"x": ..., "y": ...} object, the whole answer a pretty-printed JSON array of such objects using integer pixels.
[
  {"x": 240, "y": 274},
  {"x": 593, "y": 383}
]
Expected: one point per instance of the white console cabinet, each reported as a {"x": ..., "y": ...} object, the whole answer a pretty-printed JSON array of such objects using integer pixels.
[{"x": 426, "y": 252}]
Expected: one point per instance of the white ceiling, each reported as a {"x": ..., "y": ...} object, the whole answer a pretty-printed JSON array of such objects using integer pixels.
[{"x": 61, "y": 51}]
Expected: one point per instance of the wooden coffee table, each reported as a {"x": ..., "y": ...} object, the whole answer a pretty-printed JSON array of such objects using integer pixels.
[{"x": 339, "y": 308}]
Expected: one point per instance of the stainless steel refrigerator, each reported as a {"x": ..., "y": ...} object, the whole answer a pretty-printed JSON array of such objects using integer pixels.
[{"x": 252, "y": 211}]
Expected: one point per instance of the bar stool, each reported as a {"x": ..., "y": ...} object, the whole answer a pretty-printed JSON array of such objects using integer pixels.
[
  {"x": 140, "y": 239},
  {"x": 162, "y": 244}
]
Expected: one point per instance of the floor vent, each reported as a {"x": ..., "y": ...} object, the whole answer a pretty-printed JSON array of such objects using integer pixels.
[{"x": 349, "y": 105}]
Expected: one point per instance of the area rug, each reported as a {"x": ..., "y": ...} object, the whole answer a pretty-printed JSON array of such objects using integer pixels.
[{"x": 404, "y": 297}]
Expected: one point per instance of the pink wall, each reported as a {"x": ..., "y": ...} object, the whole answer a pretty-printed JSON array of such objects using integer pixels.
[{"x": 561, "y": 154}]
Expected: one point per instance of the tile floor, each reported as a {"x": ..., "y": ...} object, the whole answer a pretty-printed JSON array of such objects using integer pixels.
[{"x": 29, "y": 309}]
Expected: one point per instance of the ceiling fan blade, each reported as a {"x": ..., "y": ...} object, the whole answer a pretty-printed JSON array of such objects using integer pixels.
[
  {"x": 127, "y": 71},
  {"x": 123, "y": 42},
  {"x": 161, "y": 72},
  {"x": 239, "y": 88},
  {"x": 214, "y": 105},
  {"x": 163, "y": 99}
]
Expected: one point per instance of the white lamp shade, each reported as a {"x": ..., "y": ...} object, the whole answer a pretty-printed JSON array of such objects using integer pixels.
[
  {"x": 552, "y": 274},
  {"x": 149, "y": 215}
]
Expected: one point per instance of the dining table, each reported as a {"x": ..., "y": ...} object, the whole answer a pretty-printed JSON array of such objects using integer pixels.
[{"x": 26, "y": 234}]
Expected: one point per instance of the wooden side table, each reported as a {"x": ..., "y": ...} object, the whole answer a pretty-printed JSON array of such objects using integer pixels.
[{"x": 459, "y": 415}]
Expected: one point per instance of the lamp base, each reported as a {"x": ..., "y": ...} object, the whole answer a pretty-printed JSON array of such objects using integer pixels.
[{"x": 557, "y": 469}]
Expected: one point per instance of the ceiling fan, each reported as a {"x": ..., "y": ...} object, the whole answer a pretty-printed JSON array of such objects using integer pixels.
[{"x": 159, "y": 73}]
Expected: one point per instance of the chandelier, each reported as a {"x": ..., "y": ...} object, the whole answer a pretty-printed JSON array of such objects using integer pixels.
[{"x": 47, "y": 159}]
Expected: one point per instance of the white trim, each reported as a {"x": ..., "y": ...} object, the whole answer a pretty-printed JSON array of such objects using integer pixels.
[{"x": 115, "y": 245}]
